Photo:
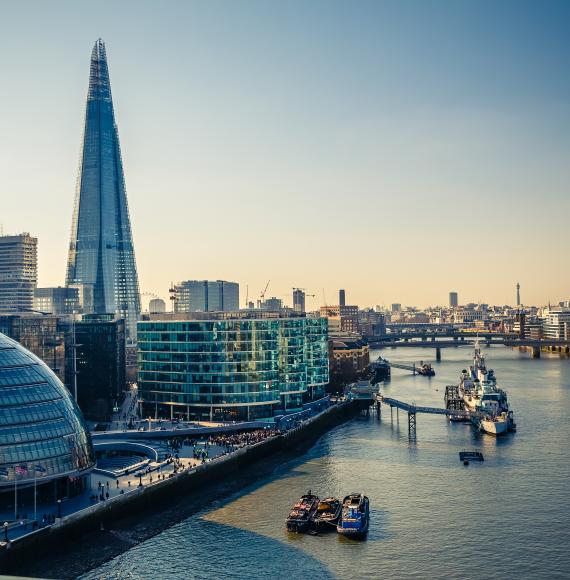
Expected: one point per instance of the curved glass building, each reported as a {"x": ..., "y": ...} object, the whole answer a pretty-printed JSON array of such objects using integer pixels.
[
  {"x": 42, "y": 434},
  {"x": 241, "y": 367}
]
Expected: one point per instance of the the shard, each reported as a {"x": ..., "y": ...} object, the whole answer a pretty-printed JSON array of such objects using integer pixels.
[{"x": 101, "y": 258}]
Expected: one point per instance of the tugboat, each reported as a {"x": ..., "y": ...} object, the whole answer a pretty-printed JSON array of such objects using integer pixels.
[
  {"x": 299, "y": 519},
  {"x": 425, "y": 369},
  {"x": 355, "y": 517},
  {"x": 327, "y": 514}
]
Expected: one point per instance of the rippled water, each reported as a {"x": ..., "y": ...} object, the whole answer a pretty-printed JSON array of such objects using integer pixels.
[{"x": 430, "y": 515}]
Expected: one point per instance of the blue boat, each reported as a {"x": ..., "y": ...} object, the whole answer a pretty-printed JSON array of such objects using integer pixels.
[{"x": 355, "y": 516}]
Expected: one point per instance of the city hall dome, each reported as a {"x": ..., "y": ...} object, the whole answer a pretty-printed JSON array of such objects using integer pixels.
[{"x": 42, "y": 432}]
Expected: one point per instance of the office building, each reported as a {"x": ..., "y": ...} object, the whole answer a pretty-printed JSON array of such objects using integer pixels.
[
  {"x": 453, "y": 300},
  {"x": 41, "y": 335},
  {"x": 100, "y": 363},
  {"x": 298, "y": 300},
  {"x": 518, "y": 294},
  {"x": 396, "y": 307},
  {"x": 43, "y": 439},
  {"x": 18, "y": 272},
  {"x": 239, "y": 365},
  {"x": 157, "y": 305},
  {"x": 556, "y": 323},
  {"x": 275, "y": 304},
  {"x": 342, "y": 297},
  {"x": 101, "y": 252},
  {"x": 371, "y": 322},
  {"x": 342, "y": 319},
  {"x": 57, "y": 300},
  {"x": 206, "y": 296}
]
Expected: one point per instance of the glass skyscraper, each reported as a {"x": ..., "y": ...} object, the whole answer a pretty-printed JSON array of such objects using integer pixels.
[{"x": 101, "y": 253}]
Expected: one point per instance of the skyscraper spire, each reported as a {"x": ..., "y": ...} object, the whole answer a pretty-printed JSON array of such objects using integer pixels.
[{"x": 101, "y": 255}]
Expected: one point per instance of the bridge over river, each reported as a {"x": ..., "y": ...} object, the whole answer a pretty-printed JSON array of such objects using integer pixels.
[{"x": 488, "y": 339}]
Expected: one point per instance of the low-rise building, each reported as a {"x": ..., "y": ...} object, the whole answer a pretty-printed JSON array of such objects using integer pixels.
[{"x": 57, "y": 300}]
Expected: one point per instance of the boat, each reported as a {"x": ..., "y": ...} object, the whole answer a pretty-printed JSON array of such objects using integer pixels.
[
  {"x": 471, "y": 456},
  {"x": 495, "y": 424},
  {"x": 425, "y": 369},
  {"x": 355, "y": 517},
  {"x": 299, "y": 518},
  {"x": 486, "y": 402},
  {"x": 327, "y": 514}
]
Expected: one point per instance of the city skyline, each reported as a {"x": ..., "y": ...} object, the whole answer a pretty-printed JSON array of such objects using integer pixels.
[{"x": 428, "y": 164}]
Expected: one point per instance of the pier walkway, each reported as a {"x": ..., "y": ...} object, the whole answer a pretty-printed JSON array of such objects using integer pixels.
[{"x": 412, "y": 409}]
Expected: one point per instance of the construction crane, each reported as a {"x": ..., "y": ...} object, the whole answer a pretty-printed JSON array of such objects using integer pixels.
[{"x": 262, "y": 295}]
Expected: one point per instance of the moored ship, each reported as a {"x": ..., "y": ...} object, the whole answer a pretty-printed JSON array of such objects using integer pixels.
[
  {"x": 327, "y": 514},
  {"x": 355, "y": 517},
  {"x": 299, "y": 519},
  {"x": 487, "y": 404}
]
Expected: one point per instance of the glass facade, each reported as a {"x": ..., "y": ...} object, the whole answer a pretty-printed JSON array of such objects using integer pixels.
[
  {"x": 250, "y": 367},
  {"x": 42, "y": 433},
  {"x": 101, "y": 252}
]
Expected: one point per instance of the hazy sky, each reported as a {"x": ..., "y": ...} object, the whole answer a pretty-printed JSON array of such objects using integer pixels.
[{"x": 397, "y": 149}]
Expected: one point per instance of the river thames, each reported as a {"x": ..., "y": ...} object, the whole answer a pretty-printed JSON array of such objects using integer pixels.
[{"x": 431, "y": 516}]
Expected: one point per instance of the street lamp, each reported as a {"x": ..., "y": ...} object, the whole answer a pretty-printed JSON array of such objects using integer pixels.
[
  {"x": 59, "y": 508},
  {"x": 6, "y": 531}
]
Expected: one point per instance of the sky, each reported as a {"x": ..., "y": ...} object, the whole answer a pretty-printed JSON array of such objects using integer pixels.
[{"x": 397, "y": 149}]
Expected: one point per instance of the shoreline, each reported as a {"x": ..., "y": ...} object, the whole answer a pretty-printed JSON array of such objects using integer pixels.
[{"x": 114, "y": 529}]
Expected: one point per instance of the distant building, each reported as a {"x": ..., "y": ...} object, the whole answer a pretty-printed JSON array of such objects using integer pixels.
[
  {"x": 371, "y": 322},
  {"x": 101, "y": 363},
  {"x": 396, "y": 307},
  {"x": 18, "y": 272},
  {"x": 206, "y": 296},
  {"x": 453, "y": 300},
  {"x": 341, "y": 297},
  {"x": 298, "y": 300},
  {"x": 557, "y": 324},
  {"x": 341, "y": 318},
  {"x": 57, "y": 300},
  {"x": 157, "y": 305},
  {"x": 272, "y": 303},
  {"x": 230, "y": 365},
  {"x": 518, "y": 294}
]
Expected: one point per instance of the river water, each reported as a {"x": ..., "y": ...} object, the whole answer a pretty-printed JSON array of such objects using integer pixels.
[{"x": 430, "y": 515}]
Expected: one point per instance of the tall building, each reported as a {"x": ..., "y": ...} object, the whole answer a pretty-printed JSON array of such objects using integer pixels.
[
  {"x": 396, "y": 307},
  {"x": 298, "y": 300},
  {"x": 100, "y": 363},
  {"x": 453, "y": 300},
  {"x": 518, "y": 294},
  {"x": 101, "y": 252},
  {"x": 341, "y": 297},
  {"x": 206, "y": 296},
  {"x": 18, "y": 272},
  {"x": 57, "y": 300}
]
